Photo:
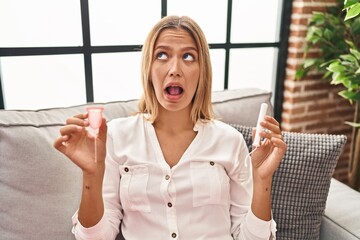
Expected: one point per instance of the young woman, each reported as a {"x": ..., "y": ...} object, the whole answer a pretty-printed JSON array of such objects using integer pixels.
[{"x": 172, "y": 171}]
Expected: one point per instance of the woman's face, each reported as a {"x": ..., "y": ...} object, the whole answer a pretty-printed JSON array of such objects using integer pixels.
[{"x": 175, "y": 70}]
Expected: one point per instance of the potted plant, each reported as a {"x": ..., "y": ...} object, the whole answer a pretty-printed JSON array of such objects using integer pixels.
[{"x": 337, "y": 34}]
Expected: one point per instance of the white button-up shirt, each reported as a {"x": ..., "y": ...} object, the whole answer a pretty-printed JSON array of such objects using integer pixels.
[{"x": 206, "y": 195}]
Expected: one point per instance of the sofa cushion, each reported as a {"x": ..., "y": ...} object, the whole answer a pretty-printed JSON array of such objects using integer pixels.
[
  {"x": 230, "y": 104},
  {"x": 40, "y": 189},
  {"x": 336, "y": 224},
  {"x": 301, "y": 183}
]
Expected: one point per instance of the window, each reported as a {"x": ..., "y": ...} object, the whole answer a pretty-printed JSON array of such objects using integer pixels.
[
  {"x": 91, "y": 51},
  {"x": 44, "y": 81}
]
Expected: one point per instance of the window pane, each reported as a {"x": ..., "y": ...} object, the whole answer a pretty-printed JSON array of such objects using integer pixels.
[
  {"x": 114, "y": 22},
  {"x": 218, "y": 68},
  {"x": 210, "y": 15},
  {"x": 40, "y": 23},
  {"x": 253, "y": 67},
  {"x": 117, "y": 76},
  {"x": 37, "y": 82},
  {"x": 255, "y": 21}
]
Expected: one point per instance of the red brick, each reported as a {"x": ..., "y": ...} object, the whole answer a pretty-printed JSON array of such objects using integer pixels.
[
  {"x": 318, "y": 85},
  {"x": 292, "y": 88},
  {"x": 300, "y": 21},
  {"x": 298, "y": 45},
  {"x": 302, "y": 99},
  {"x": 298, "y": 33},
  {"x": 321, "y": 106},
  {"x": 323, "y": 124},
  {"x": 294, "y": 111},
  {"x": 308, "y": 10}
]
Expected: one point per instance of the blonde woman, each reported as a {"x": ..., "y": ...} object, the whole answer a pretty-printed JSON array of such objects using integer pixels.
[{"x": 172, "y": 171}]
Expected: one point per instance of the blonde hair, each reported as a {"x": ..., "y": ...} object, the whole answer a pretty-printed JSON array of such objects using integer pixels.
[{"x": 201, "y": 103}]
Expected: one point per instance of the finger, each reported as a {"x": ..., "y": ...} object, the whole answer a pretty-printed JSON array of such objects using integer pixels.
[
  {"x": 280, "y": 144},
  {"x": 272, "y": 120},
  {"x": 59, "y": 143},
  {"x": 253, "y": 130},
  {"x": 70, "y": 129},
  {"x": 77, "y": 121},
  {"x": 269, "y": 135},
  {"x": 103, "y": 129},
  {"x": 81, "y": 115},
  {"x": 271, "y": 126}
]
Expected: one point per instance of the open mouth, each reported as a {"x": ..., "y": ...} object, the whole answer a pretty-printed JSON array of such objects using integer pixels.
[{"x": 174, "y": 90}]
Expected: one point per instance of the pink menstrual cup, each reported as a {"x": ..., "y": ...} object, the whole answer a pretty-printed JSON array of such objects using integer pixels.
[{"x": 95, "y": 117}]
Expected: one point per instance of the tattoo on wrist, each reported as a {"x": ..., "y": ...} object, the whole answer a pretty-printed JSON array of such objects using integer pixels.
[{"x": 87, "y": 187}]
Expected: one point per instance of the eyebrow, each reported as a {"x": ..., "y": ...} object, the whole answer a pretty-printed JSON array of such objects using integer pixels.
[{"x": 167, "y": 48}]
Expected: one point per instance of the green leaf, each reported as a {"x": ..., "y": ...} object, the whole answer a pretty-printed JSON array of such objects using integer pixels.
[
  {"x": 349, "y": 58},
  {"x": 355, "y": 26},
  {"x": 336, "y": 67},
  {"x": 299, "y": 74},
  {"x": 309, "y": 62},
  {"x": 355, "y": 80},
  {"x": 353, "y": 11},
  {"x": 350, "y": 95},
  {"x": 338, "y": 78},
  {"x": 353, "y": 124},
  {"x": 327, "y": 75},
  {"x": 350, "y": 43},
  {"x": 328, "y": 34},
  {"x": 348, "y": 84},
  {"x": 349, "y": 3},
  {"x": 355, "y": 52},
  {"x": 325, "y": 63},
  {"x": 318, "y": 18},
  {"x": 313, "y": 35},
  {"x": 349, "y": 65},
  {"x": 318, "y": 32},
  {"x": 357, "y": 71}
]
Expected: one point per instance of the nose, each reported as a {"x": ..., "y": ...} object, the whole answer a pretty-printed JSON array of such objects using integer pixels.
[{"x": 175, "y": 68}]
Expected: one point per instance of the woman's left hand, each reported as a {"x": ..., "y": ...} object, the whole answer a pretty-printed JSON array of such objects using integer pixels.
[{"x": 268, "y": 156}]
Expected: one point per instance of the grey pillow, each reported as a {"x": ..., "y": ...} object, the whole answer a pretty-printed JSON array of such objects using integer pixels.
[{"x": 301, "y": 183}]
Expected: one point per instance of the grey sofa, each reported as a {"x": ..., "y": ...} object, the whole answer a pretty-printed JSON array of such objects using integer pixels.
[{"x": 40, "y": 188}]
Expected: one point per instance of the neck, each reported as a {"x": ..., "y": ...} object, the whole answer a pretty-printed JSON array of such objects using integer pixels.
[{"x": 173, "y": 121}]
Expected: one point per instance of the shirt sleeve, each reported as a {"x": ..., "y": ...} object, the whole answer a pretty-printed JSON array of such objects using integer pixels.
[
  {"x": 108, "y": 227},
  {"x": 255, "y": 228},
  {"x": 244, "y": 224}
]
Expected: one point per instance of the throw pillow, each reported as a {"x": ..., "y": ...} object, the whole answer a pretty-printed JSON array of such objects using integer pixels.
[{"x": 301, "y": 183}]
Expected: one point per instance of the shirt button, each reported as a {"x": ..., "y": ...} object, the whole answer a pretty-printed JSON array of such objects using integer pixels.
[
  {"x": 169, "y": 204},
  {"x": 173, "y": 235},
  {"x": 126, "y": 169},
  {"x": 167, "y": 177},
  {"x": 212, "y": 163}
]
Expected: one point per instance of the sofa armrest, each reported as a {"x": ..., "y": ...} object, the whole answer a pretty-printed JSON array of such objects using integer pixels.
[{"x": 342, "y": 213}]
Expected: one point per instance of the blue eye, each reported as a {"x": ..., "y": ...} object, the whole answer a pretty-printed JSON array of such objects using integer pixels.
[
  {"x": 188, "y": 57},
  {"x": 161, "y": 55}
]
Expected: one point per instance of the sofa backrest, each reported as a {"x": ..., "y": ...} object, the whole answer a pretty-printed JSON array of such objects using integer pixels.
[{"x": 40, "y": 189}]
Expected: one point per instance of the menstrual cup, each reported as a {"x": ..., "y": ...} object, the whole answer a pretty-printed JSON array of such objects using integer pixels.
[{"x": 95, "y": 117}]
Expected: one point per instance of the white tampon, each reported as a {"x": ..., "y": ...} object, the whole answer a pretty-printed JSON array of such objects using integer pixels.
[{"x": 261, "y": 117}]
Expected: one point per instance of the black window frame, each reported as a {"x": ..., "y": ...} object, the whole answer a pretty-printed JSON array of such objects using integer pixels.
[{"x": 87, "y": 50}]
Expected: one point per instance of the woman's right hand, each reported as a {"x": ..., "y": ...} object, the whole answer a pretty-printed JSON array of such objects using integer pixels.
[{"x": 78, "y": 144}]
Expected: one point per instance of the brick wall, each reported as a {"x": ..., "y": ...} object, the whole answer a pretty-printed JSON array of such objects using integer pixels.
[{"x": 311, "y": 104}]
